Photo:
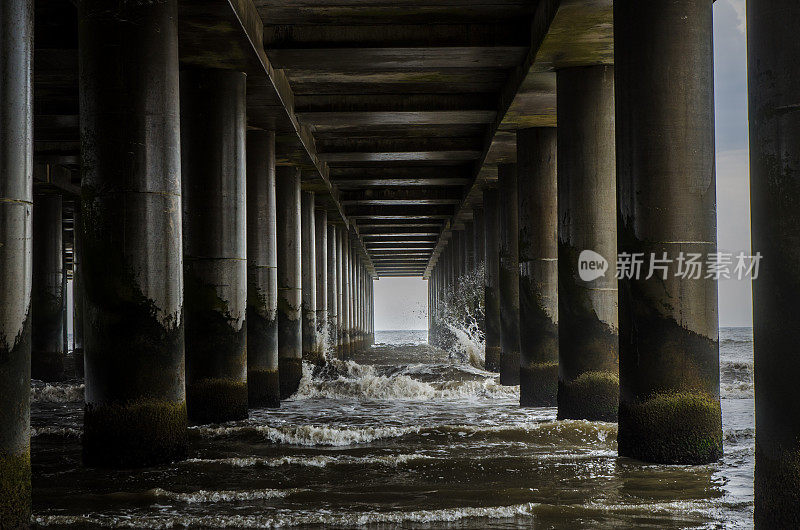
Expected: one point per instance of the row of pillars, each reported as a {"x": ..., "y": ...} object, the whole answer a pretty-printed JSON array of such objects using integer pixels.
[
  {"x": 630, "y": 169},
  {"x": 206, "y": 274}
]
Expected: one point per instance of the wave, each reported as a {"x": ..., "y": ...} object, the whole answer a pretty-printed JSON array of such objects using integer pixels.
[
  {"x": 347, "y": 520},
  {"x": 347, "y": 380},
  {"x": 57, "y": 432},
  {"x": 738, "y": 390},
  {"x": 572, "y": 432},
  {"x": 210, "y": 496},
  {"x": 56, "y": 392},
  {"x": 313, "y": 461}
]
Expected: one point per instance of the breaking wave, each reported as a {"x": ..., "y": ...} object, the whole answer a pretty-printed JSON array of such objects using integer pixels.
[
  {"x": 313, "y": 461},
  {"x": 56, "y": 392}
]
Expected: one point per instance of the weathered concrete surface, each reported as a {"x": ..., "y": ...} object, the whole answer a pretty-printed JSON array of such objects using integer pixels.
[
  {"x": 333, "y": 289},
  {"x": 774, "y": 87},
  {"x": 263, "y": 384},
  {"x": 132, "y": 235},
  {"x": 538, "y": 266},
  {"x": 16, "y": 254},
  {"x": 213, "y": 168},
  {"x": 290, "y": 336},
  {"x": 47, "y": 298},
  {"x": 321, "y": 268},
  {"x": 588, "y": 342},
  {"x": 491, "y": 279},
  {"x": 308, "y": 277},
  {"x": 669, "y": 350},
  {"x": 509, "y": 274}
]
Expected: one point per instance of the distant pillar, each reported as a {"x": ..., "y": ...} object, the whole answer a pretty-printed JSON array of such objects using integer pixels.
[
  {"x": 215, "y": 243},
  {"x": 77, "y": 294},
  {"x": 308, "y": 254},
  {"x": 509, "y": 275},
  {"x": 290, "y": 336},
  {"x": 479, "y": 248},
  {"x": 263, "y": 382},
  {"x": 538, "y": 266},
  {"x": 775, "y": 191},
  {"x": 340, "y": 287},
  {"x": 16, "y": 250},
  {"x": 333, "y": 295},
  {"x": 321, "y": 267},
  {"x": 588, "y": 385},
  {"x": 135, "y": 413},
  {"x": 469, "y": 247},
  {"x": 346, "y": 300},
  {"x": 491, "y": 278},
  {"x": 47, "y": 355}
]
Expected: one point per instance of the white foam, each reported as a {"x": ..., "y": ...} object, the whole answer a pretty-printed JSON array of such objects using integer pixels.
[
  {"x": 348, "y": 520},
  {"x": 210, "y": 496},
  {"x": 64, "y": 432},
  {"x": 311, "y": 435},
  {"x": 57, "y": 393},
  {"x": 313, "y": 461}
]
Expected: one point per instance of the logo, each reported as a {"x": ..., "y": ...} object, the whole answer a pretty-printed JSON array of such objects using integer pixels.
[{"x": 591, "y": 265}]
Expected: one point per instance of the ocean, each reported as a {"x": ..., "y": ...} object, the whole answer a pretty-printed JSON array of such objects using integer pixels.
[{"x": 403, "y": 435}]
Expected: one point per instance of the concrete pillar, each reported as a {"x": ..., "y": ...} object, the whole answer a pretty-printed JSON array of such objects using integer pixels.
[
  {"x": 353, "y": 283},
  {"x": 457, "y": 244},
  {"x": 135, "y": 413},
  {"x": 309, "y": 278},
  {"x": 47, "y": 346},
  {"x": 290, "y": 335},
  {"x": 263, "y": 382},
  {"x": 469, "y": 247},
  {"x": 479, "y": 249},
  {"x": 491, "y": 279},
  {"x": 346, "y": 299},
  {"x": 538, "y": 266},
  {"x": 77, "y": 294},
  {"x": 774, "y": 88},
  {"x": 215, "y": 243},
  {"x": 16, "y": 255},
  {"x": 340, "y": 287},
  {"x": 509, "y": 275},
  {"x": 333, "y": 294},
  {"x": 588, "y": 386},
  {"x": 321, "y": 267}
]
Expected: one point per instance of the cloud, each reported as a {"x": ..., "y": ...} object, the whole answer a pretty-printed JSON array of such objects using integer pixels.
[{"x": 741, "y": 13}]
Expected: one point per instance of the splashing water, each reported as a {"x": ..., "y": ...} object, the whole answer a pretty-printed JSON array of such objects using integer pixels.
[{"x": 460, "y": 316}]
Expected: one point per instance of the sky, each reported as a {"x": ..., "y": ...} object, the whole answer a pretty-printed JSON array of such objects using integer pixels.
[{"x": 401, "y": 303}]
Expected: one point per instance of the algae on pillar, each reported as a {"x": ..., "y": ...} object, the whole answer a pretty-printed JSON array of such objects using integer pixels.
[
  {"x": 538, "y": 266},
  {"x": 669, "y": 346},
  {"x": 491, "y": 279},
  {"x": 215, "y": 243},
  {"x": 588, "y": 386},
  {"x": 16, "y": 251},
  {"x": 47, "y": 303},
  {"x": 774, "y": 88},
  {"x": 263, "y": 384},
  {"x": 309, "y": 278},
  {"x": 290, "y": 335},
  {"x": 509, "y": 275},
  {"x": 135, "y": 412}
]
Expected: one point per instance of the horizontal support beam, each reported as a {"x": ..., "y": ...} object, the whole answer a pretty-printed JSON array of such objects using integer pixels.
[
  {"x": 331, "y": 120},
  {"x": 408, "y": 156},
  {"x": 398, "y": 58},
  {"x": 391, "y": 102},
  {"x": 513, "y": 33}
]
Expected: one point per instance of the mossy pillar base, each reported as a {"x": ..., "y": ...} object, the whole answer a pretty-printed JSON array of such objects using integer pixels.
[
  {"x": 538, "y": 266},
  {"x": 215, "y": 243},
  {"x": 290, "y": 336},
  {"x": 131, "y": 234},
  {"x": 47, "y": 357},
  {"x": 774, "y": 91},
  {"x": 262, "y": 272},
  {"x": 668, "y": 322},
  {"x": 491, "y": 279},
  {"x": 587, "y": 304},
  {"x": 509, "y": 275}
]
